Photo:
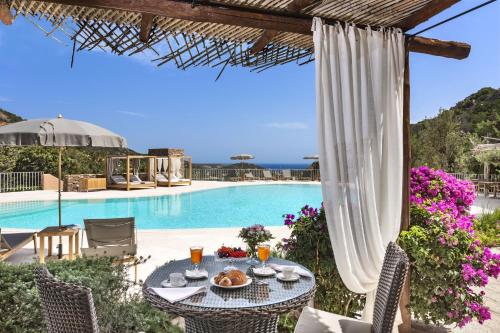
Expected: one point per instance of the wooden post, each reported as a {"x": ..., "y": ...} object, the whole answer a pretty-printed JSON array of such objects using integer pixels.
[
  {"x": 128, "y": 173},
  {"x": 169, "y": 172},
  {"x": 190, "y": 170},
  {"x": 405, "y": 327}
]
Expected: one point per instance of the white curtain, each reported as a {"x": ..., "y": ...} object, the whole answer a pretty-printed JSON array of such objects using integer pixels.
[{"x": 359, "y": 96}]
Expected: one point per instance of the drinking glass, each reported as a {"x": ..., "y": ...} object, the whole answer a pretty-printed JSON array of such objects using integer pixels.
[
  {"x": 196, "y": 256},
  {"x": 263, "y": 251}
]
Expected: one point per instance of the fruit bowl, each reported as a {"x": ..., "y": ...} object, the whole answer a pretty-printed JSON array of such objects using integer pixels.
[{"x": 225, "y": 253}]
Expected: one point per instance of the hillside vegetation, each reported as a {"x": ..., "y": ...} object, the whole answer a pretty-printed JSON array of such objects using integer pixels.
[{"x": 446, "y": 141}]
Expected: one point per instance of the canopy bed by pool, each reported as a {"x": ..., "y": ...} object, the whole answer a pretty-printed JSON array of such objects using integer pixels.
[
  {"x": 171, "y": 170},
  {"x": 130, "y": 172}
]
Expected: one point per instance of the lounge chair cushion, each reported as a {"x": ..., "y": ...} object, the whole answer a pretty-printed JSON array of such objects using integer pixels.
[
  {"x": 118, "y": 179},
  {"x": 135, "y": 179},
  {"x": 161, "y": 178},
  {"x": 317, "y": 321}
]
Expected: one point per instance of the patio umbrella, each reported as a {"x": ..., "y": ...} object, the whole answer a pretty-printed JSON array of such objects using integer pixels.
[
  {"x": 242, "y": 157},
  {"x": 311, "y": 157},
  {"x": 60, "y": 133}
]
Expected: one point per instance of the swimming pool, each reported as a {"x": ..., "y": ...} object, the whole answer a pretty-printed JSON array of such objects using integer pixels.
[{"x": 234, "y": 206}]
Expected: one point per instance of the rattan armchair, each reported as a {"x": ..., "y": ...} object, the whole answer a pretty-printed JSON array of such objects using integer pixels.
[
  {"x": 392, "y": 278},
  {"x": 67, "y": 308}
]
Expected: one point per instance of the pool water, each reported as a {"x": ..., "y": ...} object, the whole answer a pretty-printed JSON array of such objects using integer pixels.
[{"x": 236, "y": 206}]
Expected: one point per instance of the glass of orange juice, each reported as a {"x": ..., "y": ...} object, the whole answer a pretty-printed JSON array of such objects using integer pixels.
[
  {"x": 263, "y": 251},
  {"x": 196, "y": 256}
]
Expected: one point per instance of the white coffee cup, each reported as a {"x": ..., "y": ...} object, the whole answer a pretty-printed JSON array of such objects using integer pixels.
[
  {"x": 288, "y": 271},
  {"x": 177, "y": 279}
]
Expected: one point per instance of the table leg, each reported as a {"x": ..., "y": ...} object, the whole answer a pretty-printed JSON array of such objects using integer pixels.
[
  {"x": 49, "y": 246},
  {"x": 42, "y": 249},
  {"x": 77, "y": 243},
  {"x": 70, "y": 247}
]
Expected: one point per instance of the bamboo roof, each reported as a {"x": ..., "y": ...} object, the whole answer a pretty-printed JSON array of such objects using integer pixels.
[{"x": 201, "y": 41}]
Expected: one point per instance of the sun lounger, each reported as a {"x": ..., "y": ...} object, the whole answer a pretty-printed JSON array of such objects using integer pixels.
[
  {"x": 249, "y": 176},
  {"x": 232, "y": 176},
  {"x": 10, "y": 243},
  {"x": 114, "y": 237},
  {"x": 267, "y": 175},
  {"x": 287, "y": 175}
]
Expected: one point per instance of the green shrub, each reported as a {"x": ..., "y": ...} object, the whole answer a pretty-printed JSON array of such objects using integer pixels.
[
  {"x": 487, "y": 228},
  {"x": 309, "y": 245},
  {"x": 119, "y": 308}
]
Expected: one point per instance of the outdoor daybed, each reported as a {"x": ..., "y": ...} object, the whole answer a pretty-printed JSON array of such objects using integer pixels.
[
  {"x": 127, "y": 172},
  {"x": 170, "y": 171}
]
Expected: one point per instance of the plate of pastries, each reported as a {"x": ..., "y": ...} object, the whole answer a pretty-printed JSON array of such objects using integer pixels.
[{"x": 231, "y": 279}]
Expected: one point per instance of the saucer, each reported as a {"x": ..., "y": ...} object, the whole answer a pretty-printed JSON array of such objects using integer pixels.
[
  {"x": 167, "y": 284},
  {"x": 267, "y": 271},
  {"x": 294, "y": 277},
  {"x": 195, "y": 275}
]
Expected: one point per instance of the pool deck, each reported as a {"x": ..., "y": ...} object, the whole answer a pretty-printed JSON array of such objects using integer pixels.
[
  {"x": 163, "y": 245},
  {"x": 159, "y": 191}
]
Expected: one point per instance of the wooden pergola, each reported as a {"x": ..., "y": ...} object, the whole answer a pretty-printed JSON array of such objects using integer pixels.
[{"x": 258, "y": 34}]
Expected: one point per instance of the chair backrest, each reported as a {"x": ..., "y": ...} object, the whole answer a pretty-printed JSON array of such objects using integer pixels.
[
  {"x": 287, "y": 173},
  {"x": 392, "y": 278},
  {"x": 110, "y": 232},
  {"x": 267, "y": 174},
  {"x": 66, "y": 307}
]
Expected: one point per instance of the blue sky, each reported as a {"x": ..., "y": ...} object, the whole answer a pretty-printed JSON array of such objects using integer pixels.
[{"x": 271, "y": 114}]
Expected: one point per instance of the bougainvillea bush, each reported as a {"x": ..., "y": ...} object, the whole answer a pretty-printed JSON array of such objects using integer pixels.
[
  {"x": 449, "y": 265},
  {"x": 309, "y": 245}
]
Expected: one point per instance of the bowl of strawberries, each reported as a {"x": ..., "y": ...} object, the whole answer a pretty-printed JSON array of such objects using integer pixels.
[{"x": 230, "y": 253}]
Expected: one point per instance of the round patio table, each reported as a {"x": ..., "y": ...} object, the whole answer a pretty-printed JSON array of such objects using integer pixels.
[{"x": 253, "y": 309}]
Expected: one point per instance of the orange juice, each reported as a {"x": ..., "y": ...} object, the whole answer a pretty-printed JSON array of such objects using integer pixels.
[
  {"x": 196, "y": 254},
  {"x": 263, "y": 251}
]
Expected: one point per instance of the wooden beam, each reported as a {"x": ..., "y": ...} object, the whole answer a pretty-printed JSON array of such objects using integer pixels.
[
  {"x": 268, "y": 35},
  {"x": 250, "y": 18},
  {"x": 405, "y": 327},
  {"x": 5, "y": 14},
  {"x": 206, "y": 12},
  {"x": 264, "y": 39},
  {"x": 431, "y": 9},
  {"x": 146, "y": 26},
  {"x": 448, "y": 49}
]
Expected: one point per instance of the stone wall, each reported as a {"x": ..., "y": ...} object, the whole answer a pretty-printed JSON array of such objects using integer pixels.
[
  {"x": 72, "y": 182},
  {"x": 163, "y": 152}
]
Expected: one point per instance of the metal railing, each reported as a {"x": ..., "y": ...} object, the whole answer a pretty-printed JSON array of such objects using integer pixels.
[
  {"x": 475, "y": 176},
  {"x": 217, "y": 174},
  {"x": 21, "y": 181}
]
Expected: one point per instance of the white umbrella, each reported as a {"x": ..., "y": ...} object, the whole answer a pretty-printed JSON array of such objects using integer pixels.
[
  {"x": 311, "y": 157},
  {"x": 60, "y": 133},
  {"x": 242, "y": 157}
]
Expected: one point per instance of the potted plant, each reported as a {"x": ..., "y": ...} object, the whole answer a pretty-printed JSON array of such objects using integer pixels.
[{"x": 253, "y": 236}]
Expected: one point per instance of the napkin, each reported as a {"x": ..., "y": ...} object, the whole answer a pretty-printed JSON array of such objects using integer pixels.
[
  {"x": 177, "y": 294},
  {"x": 297, "y": 269}
]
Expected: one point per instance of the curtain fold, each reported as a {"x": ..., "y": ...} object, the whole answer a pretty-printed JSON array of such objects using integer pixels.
[{"x": 359, "y": 97}]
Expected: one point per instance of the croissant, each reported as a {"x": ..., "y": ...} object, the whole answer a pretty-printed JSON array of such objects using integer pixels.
[
  {"x": 225, "y": 281},
  {"x": 237, "y": 277}
]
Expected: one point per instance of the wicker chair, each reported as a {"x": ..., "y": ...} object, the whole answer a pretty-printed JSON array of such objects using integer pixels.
[
  {"x": 392, "y": 278},
  {"x": 67, "y": 308}
]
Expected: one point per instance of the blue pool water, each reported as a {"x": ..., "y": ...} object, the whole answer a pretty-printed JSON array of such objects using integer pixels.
[{"x": 227, "y": 207}]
